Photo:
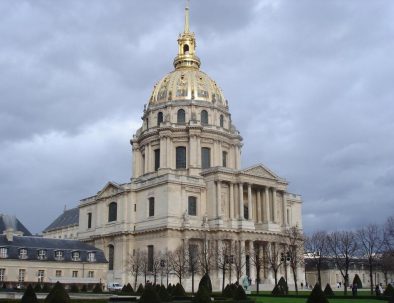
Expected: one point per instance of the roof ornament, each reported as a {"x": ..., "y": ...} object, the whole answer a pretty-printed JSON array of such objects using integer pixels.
[{"x": 187, "y": 16}]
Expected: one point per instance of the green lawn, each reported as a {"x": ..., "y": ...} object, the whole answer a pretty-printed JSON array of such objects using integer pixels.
[{"x": 303, "y": 300}]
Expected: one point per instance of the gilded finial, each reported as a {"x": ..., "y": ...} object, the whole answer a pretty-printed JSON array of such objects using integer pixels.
[{"x": 187, "y": 16}]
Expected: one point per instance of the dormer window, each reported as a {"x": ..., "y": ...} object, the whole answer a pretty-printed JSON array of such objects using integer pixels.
[
  {"x": 23, "y": 253},
  {"x": 59, "y": 255},
  {"x": 91, "y": 256},
  {"x": 42, "y": 254},
  {"x": 3, "y": 252},
  {"x": 75, "y": 256}
]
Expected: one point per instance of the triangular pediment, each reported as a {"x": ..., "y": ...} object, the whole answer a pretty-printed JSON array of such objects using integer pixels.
[
  {"x": 110, "y": 189},
  {"x": 260, "y": 170}
]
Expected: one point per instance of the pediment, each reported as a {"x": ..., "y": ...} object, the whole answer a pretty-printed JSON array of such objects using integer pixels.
[
  {"x": 110, "y": 189},
  {"x": 261, "y": 171}
]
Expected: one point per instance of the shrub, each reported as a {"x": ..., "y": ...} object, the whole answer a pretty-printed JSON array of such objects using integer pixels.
[
  {"x": 206, "y": 281},
  {"x": 58, "y": 295},
  {"x": 281, "y": 289},
  {"x": 140, "y": 289},
  {"x": 46, "y": 288},
  {"x": 128, "y": 289},
  {"x": 202, "y": 295},
  {"x": 317, "y": 295},
  {"x": 149, "y": 295},
  {"x": 97, "y": 288},
  {"x": 328, "y": 291},
  {"x": 74, "y": 288},
  {"x": 84, "y": 288},
  {"x": 357, "y": 281},
  {"x": 179, "y": 291},
  {"x": 163, "y": 294},
  {"x": 239, "y": 293},
  {"x": 37, "y": 287},
  {"x": 29, "y": 296},
  {"x": 389, "y": 291},
  {"x": 227, "y": 292},
  {"x": 169, "y": 288}
]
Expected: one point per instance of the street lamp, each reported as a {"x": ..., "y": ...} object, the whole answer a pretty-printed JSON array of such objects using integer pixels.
[{"x": 285, "y": 258}]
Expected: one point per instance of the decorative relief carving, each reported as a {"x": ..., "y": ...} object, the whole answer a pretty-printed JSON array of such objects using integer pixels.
[{"x": 260, "y": 172}]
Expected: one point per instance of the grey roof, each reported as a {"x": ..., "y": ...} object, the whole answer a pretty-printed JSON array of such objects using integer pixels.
[
  {"x": 7, "y": 221},
  {"x": 67, "y": 218},
  {"x": 33, "y": 244}
]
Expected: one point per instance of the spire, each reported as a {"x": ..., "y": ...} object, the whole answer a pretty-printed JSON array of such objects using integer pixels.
[
  {"x": 186, "y": 46},
  {"x": 187, "y": 17}
]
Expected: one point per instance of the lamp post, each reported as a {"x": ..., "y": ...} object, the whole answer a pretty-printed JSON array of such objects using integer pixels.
[{"x": 285, "y": 258}]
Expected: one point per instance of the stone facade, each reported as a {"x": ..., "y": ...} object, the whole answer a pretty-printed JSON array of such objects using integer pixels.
[{"x": 187, "y": 184}]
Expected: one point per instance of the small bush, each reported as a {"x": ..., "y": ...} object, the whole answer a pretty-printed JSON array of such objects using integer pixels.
[
  {"x": 74, "y": 288},
  {"x": 239, "y": 293},
  {"x": 179, "y": 291},
  {"x": 227, "y": 292},
  {"x": 206, "y": 282},
  {"x": 84, "y": 288},
  {"x": 140, "y": 289},
  {"x": 389, "y": 291},
  {"x": 46, "y": 288},
  {"x": 163, "y": 294},
  {"x": 202, "y": 295},
  {"x": 149, "y": 295},
  {"x": 317, "y": 295},
  {"x": 37, "y": 287},
  {"x": 281, "y": 289},
  {"x": 97, "y": 288},
  {"x": 58, "y": 295},
  {"x": 128, "y": 289},
  {"x": 357, "y": 281},
  {"x": 328, "y": 291},
  {"x": 169, "y": 288},
  {"x": 29, "y": 296}
]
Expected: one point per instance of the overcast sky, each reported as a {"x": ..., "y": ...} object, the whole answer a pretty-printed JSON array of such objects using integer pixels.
[{"x": 310, "y": 86}]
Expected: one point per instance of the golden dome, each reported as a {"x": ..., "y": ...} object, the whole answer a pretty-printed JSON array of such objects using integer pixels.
[{"x": 187, "y": 82}]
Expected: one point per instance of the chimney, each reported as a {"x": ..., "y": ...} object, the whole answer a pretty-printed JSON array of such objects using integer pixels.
[{"x": 9, "y": 233}]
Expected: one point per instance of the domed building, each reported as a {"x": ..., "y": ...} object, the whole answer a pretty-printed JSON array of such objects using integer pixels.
[{"x": 189, "y": 199}]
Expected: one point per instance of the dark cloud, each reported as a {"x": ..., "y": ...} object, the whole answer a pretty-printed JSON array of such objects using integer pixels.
[{"x": 310, "y": 79}]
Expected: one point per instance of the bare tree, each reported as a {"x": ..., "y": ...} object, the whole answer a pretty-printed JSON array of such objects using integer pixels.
[
  {"x": 192, "y": 258},
  {"x": 135, "y": 265},
  {"x": 222, "y": 259},
  {"x": 371, "y": 242},
  {"x": 206, "y": 256},
  {"x": 238, "y": 259},
  {"x": 316, "y": 248},
  {"x": 389, "y": 234},
  {"x": 295, "y": 251},
  {"x": 178, "y": 262},
  {"x": 343, "y": 246},
  {"x": 155, "y": 266},
  {"x": 165, "y": 265},
  {"x": 144, "y": 265},
  {"x": 386, "y": 263},
  {"x": 257, "y": 259},
  {"x": 273, "y": 260}
]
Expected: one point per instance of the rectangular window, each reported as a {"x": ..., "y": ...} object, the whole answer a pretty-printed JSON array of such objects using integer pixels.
[
  {"x": 21, "y": 276},
  {"x": 89, "y": 220},
  {"x": 91, "y": 257},
  {"x": 151, "y": 207},
  {"x": 180, "y": 157},
  {"x": 2, "y": 274},
  {"x": 224, "y": 159},
  {"x": 205, "y": 157},
  {"x": 157, "y": 159},
  {"x": 42, "y": 254},
  {"x": 58, "y": 273},
  {"x": 246, "y": 212},
  {"x": 150, "y": 257},
  {"x": 90, "y": 274},
  {"x": 193, "y": 253},
  {"x": 59, "y": 255},
  {"x": 41, "y": 275},
  {"x": 75, "y": 256},
  {"x": 23, "y": 253},
  {"x": 192, "y": 206},
  {"x": 75, "y": 274},
  {"x": 3, "y": 252},
  {"x": 135, "y": 207}
]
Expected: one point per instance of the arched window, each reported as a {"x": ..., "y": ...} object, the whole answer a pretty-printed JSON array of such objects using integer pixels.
[
  {"x": 112, "y": 211},
  {"x": 192, "y": 206},
  {"x": 186, "y": 49},
  {"x": 181, "y": 116},
  {"x": 147, "y": 123},
  {"x": 159, "y": 118},
  {"x": 204, "y": 117},
  {"x": 221, "y": 121},
  {"x": 205, "y": 157},
  {"x": 180, "y": 157},
  {"x": 111, "y": 257}
]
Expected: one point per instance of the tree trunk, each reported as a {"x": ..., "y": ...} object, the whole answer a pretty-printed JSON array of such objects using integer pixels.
[
  {"x": 135, "y": 280},
  {"x": 258, "y": 278},
  {"x": 276, "y": 277},
  {"x": 224, "y": 277},
  {"x": 295, "y": 280},
  {"x": 345, "y": 283},
  {"x": 319, "y": 275},
  {"x": 370, "y": 276},
  {"x": 193, "y": 282}
]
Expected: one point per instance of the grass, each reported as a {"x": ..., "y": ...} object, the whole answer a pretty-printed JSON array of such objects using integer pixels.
[{"x": 302, "y": 300}]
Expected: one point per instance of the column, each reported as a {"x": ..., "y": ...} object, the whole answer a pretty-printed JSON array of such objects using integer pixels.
[
  {"x": 250, "y": 204},
  {"x": 241, "y": 201},
  {"x": 284, "y": 208},
  {"x": 274, "y": 206},
  {"x": 146, "y": 164},
  {"x": 267, "y": 205},
  {"x": 218, "y": 198},
  {"x": 231, "y": 201},
  {"x": 163, "y": 152},
  {"x": 258, "y": 193},
  {"x": 243, "y": 254}
]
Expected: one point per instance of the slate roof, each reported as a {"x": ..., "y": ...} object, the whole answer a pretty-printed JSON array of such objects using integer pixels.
[
  {"x": 34, "y": 244},
  {"x": 67, "y": 218},
  {"x": 7, "y": 221}
]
